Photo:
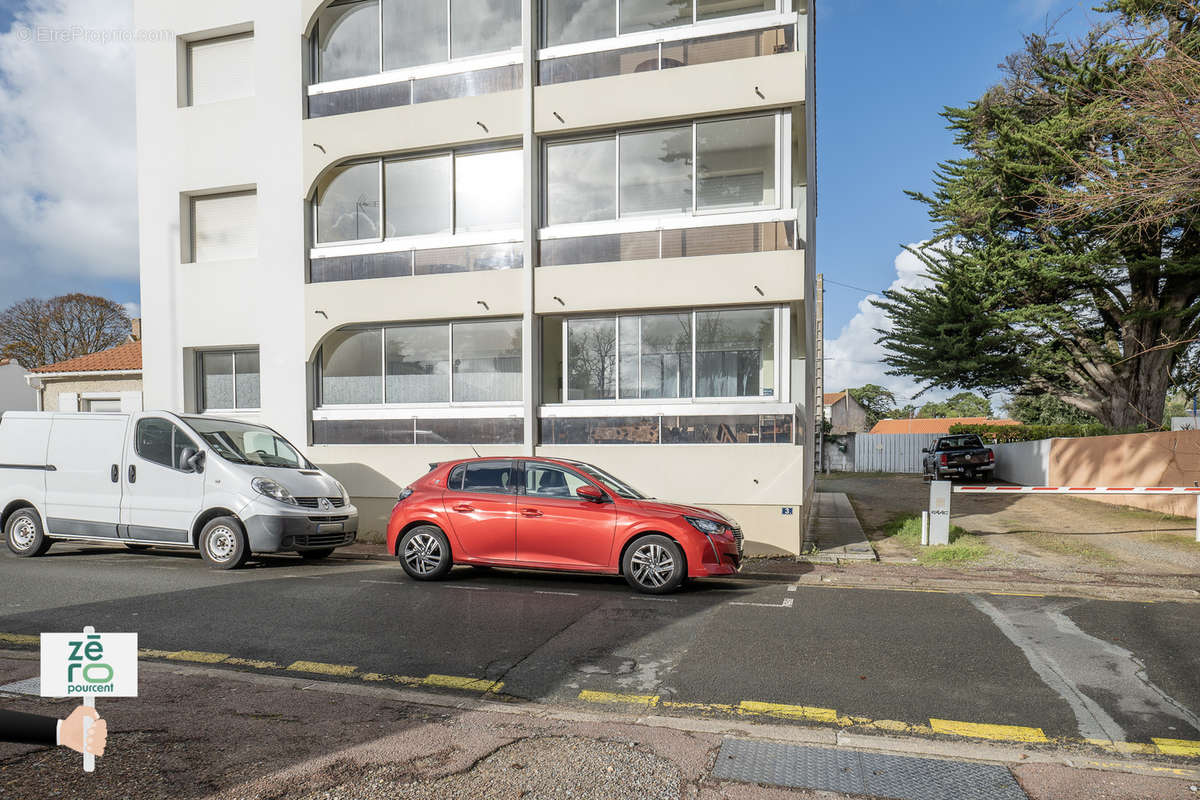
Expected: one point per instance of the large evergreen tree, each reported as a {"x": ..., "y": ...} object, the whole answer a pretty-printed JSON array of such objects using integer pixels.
[{"x": 1046, "y": 277}]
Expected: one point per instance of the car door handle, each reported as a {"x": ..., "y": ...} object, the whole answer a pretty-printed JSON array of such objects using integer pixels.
[
  {"x": 463, "y": 507},
  {"x": 530, "y": 512},
  {"x": 133, "y": 473},
  {"x": 115, "y": 474}
]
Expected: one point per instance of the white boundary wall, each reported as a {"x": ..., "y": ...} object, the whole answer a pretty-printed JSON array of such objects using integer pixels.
[{"x": 1025, "y": 463}]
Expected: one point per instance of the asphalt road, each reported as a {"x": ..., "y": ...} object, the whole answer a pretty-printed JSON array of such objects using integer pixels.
[{"x": 1073, "y": 668}]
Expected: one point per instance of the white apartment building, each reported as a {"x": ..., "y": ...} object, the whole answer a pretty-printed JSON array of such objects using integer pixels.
[{"x": 406, "y": 231}]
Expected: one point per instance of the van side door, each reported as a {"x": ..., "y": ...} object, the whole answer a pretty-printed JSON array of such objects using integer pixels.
[
  {"x": 83, "y": 481},
  {"x": 163, "y": 495}
]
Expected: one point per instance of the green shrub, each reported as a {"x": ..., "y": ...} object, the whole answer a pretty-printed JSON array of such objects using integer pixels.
[{"x": 999, "y": 434}]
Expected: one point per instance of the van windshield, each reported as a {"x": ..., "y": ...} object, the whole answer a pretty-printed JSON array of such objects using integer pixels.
[{"x": 243, "y": 443}]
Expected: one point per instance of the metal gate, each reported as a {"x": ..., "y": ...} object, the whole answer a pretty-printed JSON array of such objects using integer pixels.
[{"x": 891, "y": 452}]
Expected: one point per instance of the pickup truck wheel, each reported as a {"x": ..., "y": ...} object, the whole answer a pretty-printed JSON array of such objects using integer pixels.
[
  {"x": 25, "y": 535},
  {"x": 223, "y": 543}
]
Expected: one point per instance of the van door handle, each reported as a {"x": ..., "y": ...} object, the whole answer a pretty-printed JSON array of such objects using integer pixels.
[
  {"x": 116, "y": 473},
  {"x": 133, "y": 473},
  {"x": 463, "y": 507},
  {"x": 530, "y": 512}
]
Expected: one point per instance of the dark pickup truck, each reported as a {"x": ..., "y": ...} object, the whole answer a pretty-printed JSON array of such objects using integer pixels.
[{"x": 958, "y": 456}]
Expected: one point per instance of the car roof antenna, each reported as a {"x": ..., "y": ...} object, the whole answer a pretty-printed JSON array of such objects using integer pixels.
[{"x": 476, "y": 452}]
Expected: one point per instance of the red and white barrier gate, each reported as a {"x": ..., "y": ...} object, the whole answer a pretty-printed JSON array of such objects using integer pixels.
[{"x": 936, "y": 526}]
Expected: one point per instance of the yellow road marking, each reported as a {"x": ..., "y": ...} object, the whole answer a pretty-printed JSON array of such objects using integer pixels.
[
  {"x": 976, "y": 730},
  {"x": 1117, "y": 765},
  {"x": 788, "y": 711},
  {"x": 1129, "y": 748},
  {"x": 1176, "y": 747},
  {"x": 467, "y": 684},
  {"x": 1018, "y": 594},
  {"x": 698, "y": 706},
  {"x": 322, "y": 669},
  {"x": 380, "y": 677},
  {"x": 197, "y": 656},
  {"x": 20, "y": 638},
  {"x": 589, "y": 696},
  {"x": 250, "y": 662}
]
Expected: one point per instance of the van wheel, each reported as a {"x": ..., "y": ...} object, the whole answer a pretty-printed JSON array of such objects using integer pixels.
[
  {"x": 223, "y": 543},
  {"x": 424, "y": 552},
  {"x": 25, "y": 535},
  {"x": 654, "y": 565},
  {"x": 316, "y": 555}
]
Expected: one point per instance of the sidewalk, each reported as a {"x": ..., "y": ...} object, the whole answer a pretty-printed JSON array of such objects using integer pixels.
[{"x": 197, "y": 732}]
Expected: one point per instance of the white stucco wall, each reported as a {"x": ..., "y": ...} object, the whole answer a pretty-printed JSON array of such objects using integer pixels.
[{"x": 1025, "y": 463}]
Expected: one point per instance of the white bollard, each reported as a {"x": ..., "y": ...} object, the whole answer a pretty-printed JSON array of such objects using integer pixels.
[
  {"x": 939, "y": 512},
  {"x": 925, "y": 528}
]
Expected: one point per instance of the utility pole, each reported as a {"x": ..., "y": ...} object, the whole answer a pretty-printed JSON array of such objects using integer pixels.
[{"x": 819, "y": 387}]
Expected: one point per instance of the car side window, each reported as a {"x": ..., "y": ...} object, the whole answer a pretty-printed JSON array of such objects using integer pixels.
[
  {"x": 544, "y": 480},
  {"x": 161, "y": 442},
  {"x": 491, "y": 477}
]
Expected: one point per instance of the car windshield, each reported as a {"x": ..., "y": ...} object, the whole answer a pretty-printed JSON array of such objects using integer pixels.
[
  {"x": 960, "y": 443},
  {"x": 615, "y": 486},
  {"x": 243, "y": 443}
]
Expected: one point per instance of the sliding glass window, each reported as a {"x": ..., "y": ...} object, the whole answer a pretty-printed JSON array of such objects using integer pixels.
[
  {"x": 365, "y": 37},
  {"x": 570, "y": 21},
  {"x": 426, "y": 364},
  {"x": 706, "y": 167},
  {"x": 443, "y": 193},
  {"x": 727, "y": 353}
]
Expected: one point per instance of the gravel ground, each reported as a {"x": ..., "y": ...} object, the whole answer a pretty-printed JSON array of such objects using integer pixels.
[
  {"x": 1048, "y": 533},
  {"x": 544, "y": 768}
]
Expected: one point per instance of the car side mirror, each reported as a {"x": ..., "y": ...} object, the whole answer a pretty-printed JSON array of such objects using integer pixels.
[{"x": 590, "y": 493}]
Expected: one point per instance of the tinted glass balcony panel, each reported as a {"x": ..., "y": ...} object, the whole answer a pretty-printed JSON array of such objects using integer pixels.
[
  {"x": 362, "y": 267},
  {"x": 468, "y": 259},
  {"x": 600, "y": 430}
]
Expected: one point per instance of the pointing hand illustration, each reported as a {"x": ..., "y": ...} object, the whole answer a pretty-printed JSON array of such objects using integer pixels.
[{"x": 71, "y": 734}]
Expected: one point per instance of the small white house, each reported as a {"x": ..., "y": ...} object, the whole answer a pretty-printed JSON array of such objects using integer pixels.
[{"x": 15, "y": 393}]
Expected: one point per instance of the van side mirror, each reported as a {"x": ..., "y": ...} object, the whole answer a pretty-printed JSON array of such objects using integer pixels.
[
  {"x": 590, "y": 493},
  {"x": 191, "y": 460}
]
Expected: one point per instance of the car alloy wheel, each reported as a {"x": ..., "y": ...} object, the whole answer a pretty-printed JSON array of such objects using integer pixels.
[
  {"x": 653, "y": 565},
  {"x": 423, "y": 554}
]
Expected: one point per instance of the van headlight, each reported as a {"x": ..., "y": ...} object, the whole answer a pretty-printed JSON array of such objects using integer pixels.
[
  {"x": 273, "y": 490},
  {"x": 342, "y": 489}
]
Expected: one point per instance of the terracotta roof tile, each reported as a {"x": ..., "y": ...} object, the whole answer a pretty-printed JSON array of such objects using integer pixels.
[
  {"x": 934, "y": 425},
  {"x": 122, "y": 358},
  {"x": 830, "y": 399}
]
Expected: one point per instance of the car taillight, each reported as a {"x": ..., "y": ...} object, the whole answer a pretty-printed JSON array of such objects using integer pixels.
[
  {"x": 404, "y": 494},
  {"x": 991, "y": 456},
  {"x": 945, "y": 461}
]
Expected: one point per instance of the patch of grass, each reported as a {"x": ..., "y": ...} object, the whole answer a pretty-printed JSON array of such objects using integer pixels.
[
  {"x": 964, "y": 547},
  {"x": 1186, "y": 542},
  {"x": 1069, "y": 546}
]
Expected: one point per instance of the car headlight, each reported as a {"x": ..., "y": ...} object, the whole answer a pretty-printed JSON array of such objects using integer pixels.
[
  {"x": 273, "y": 490},
  {"x": 705, "y": 526}
]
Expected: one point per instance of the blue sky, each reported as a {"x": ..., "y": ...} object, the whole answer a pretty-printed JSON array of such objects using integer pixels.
[{"x": 885, "y": 69}]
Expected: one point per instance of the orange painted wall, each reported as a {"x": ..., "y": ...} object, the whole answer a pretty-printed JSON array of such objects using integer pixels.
[{"x": 1135, "y": 459}]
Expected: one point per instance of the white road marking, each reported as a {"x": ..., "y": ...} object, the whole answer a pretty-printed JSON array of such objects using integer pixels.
[
  {"x": 460, "y": 586},
  {"x": 792, "y": 588},
  {"x": 785, "y": 604},
  {"x": 1069, "y": 660},
  {"x": 656, "y": 599},
  {"x": 563, "y": 594},
  {"x": 389, "y": 583}
]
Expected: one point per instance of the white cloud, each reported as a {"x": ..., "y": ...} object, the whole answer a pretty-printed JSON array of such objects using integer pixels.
[
  {"x": 134, "y": 310},
  {"x": 854, "y": 359},
  {"x": 67, "y": 141}
]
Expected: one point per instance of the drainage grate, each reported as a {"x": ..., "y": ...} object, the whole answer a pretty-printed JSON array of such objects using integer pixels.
[
  {"x": 852, "y": 772},
  {"x": 28, "y": 686}
]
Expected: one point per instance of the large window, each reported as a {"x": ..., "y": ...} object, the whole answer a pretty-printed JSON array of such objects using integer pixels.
[
  {"x": 459, "y": 192},
  {"x": 365, "y": 37},
  {"x": 727, "y": 353},
  {"x": 710, "y": 166},
  {"x": 228, "y": 380},
  {"x": 568, "y": 21},
  {"x": 435, "y": 363},
  {"x": 220, "y": 69},
  {"x": 224, "y": 227}
]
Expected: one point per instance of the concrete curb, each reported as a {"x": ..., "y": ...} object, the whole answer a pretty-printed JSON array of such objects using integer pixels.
[{"x": 982, "y": 752}]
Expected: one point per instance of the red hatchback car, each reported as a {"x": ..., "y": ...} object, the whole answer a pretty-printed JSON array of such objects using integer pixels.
[{"x": 551, "y": 513}]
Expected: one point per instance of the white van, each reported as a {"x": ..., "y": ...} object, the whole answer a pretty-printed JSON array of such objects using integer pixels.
[{"x": 225, "y": 487}]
